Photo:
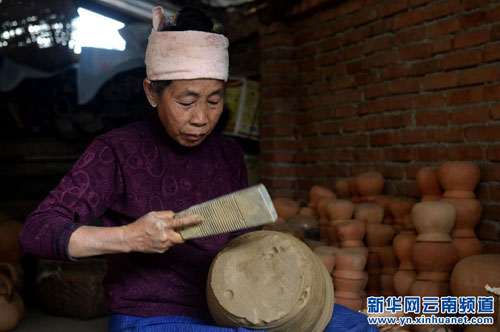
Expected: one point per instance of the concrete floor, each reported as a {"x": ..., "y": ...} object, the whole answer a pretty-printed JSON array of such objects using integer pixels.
[{"x": 35, "y": 320}]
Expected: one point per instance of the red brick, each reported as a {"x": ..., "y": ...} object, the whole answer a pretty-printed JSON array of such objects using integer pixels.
[
  {"x": 408, "y": 18},
  {"x": 412, "y": 136},
  {"x": 383, "y": 139},
  {"x": 278, "y": 184},
  {"x": 384, "y": 59},
  {"x": 337, "y": 70},
  {"x": 491, "y": 52},
  {"x": 276, "y": 40},
  {"x": 483, "y": 192},
  {"x": 493, "y": 15},
  {"x": 471, "y": 4},
  {"x": 275, "y": 131},
  {"x": 405, "y": 86},
  {"x": 441, "y": 45},
  {"x": 349, "y": 53},
  {"x": 379, "y": 27},
  {"x": 309, "y": 129},
  {"x": 432, "y": 118},
  {"x": 495, "y": 112},
  {"x": 377, "y": 44},
  {"x": 468, "y": 96},
  {"x": 445, "y": 135},
  {"x": 415, "y": 52},
  {"x": 369, "y": 155},
  {"x": 416, "y": 3},
  {"x": 388, "y": 121},
  {"x": 341, "y": 83},
  {"x": 355, "y": 124},
  {"x": 440, "y": 81},
  {"x": 442, "y": 8},
  {"x": 493, "y": 154},
  {"x": 492, "y": 92},
  {"x": 409, "y": 36},
  {"x": 278, "y": 67},
  {"x": 443, "y": 28},
  {"x": 390, "y": 73},
  {"x": 269, "y": 145},
  {"x": 278, "y": 157},
  {"x": 352, "y": 37},
  {"x": 463, "y": 59},
  {"x": 374, "y": 91},
  {"x": 327, "y": 44},
  {"x": 479, "y": 75},
  {"x": 492, "y": 212},
  {"x": 364, "y": 16},
  {"x": 277, "y": 105},
  {"x": 473, "y": 20},
  {"x": 488, "y": 230},
  {"x": 388, "y": 104},
  {"x": 399, "y": 154},
  {"x": 278, "y": 118},
  {"x": 330, "y": 127},
  {"x": 424, "y": 67},
  {"x": 278, "y": 171},
  {"x": 431, "y": 153},
  {"x": 427, "y": 101},
  {"x": 470, "y": 115},
  {"x": 358, "y": 66},
  {"x": 490, "y": 172},
  {"x": 364, "y": 79},
  {"x": 473, "y": 38},
  {"x": 344, "y": 112},
  {"x": 341, "y": 97},
  {"x": 393, "y": 7},
  {"x": 340, "y": 10},
  {"x": 484, "y": 133},
  {"x": 469, "y": 152}
]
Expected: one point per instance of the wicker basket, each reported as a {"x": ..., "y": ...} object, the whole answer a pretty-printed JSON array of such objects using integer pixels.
[{"x": 72, "y": 288}]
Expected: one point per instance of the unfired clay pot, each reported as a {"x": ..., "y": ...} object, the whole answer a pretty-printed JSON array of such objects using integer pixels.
[
  {"x": 465, "y": 247},
  {"x": 340, "y": 209},
  {"x": 321, "y": 209},
  {"x": 403, "y": 244},
  {"x": 328, "y": 234},
  {"x": 349, "y": 263},
  {"x": 286, "y": 207},
  {"x": 327, "y": 255},
  {"x": 342, "y": 188},
  {"x": 434, "y": 260},
  {"x": 370, "y": 184},
  {"x": 401, "y": 207},
  {"x": 433, "y": 221},
  {"x": 351, "y": 233},
  {"x": 459, "y": 179},
  {"x": 428, "y": 184},
  {"x": 430, "y": 288},
  {"x": 384, "y": 201},
  {"x": 387, "y": 284},
  {"x": 468, "y": 215},
  {"x": 309, "y": 212},
  {"x": 353, "y": 190},
  {"x": 403, "y": 279},
  {"x": 388, "y": 260},
  {"x": 317, "y": 193},
  {"x": 471, "y": 274},
  {"x": 371, "y": 213},
  {"x": 379, "y": 235}
]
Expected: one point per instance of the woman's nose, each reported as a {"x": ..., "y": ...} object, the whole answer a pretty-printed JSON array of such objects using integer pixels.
[{"x": 200, "y": 117}]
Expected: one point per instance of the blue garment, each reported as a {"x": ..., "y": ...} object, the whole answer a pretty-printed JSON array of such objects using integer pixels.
[{"x": 343, "y": 320}]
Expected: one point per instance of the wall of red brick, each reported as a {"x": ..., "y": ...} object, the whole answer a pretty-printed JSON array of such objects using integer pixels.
[{"x": 389, "y": 85}]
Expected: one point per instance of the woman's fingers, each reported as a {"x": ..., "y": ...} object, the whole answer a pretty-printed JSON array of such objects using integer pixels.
[{"x": 185, "y": 221}]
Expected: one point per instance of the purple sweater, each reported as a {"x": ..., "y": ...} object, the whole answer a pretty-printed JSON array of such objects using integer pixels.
[{"x": 123, "y": 175}]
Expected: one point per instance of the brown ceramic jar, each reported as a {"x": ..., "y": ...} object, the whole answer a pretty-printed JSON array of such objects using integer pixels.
[
  {"x": 459, "y": 179},
  {"x": 428, "y": 184},
  {"x": 286, "y": 207},
  {"x": 471, "y": 274},
  {"x": 351, "y": 233},
  {"x": 326, "y": 255},
  {"x": 403, "y": 244},
  {"x": 340, "y": 209},
  {"x": 342, "y": 188},
  {"x": 370, "y": 213},
  {"x": 403, "y": 279},
  {"x": 370, "y": 184},
  {"x": 433, "y": 221},
  {"x": 401, "y": 207},
  {"x": 388, "y": 260},
  {"x": 468, "y": 215},
  {"x": 379, "y": 235},
  {"x": 317, "y": 193},
  {"x": 430, "y": 288},
  {"x": 434, "y": 260},
  {"x": 349, "y": 263},
  {"x": 321, "y": 209},
  {"x": 465, "y": 247}
]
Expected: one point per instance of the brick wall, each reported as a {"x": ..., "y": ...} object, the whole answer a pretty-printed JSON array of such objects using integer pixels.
[{"x": 388, "y": 85}]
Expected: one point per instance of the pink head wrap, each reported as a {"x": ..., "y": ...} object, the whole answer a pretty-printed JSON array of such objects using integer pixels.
[{"x": 184, "y": 55}]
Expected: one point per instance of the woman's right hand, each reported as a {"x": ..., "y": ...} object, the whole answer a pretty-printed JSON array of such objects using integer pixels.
[{"x": 155, "y": 231}]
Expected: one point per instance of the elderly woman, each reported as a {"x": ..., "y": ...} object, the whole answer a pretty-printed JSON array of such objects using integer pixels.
[{"x": 134, "y": 178}]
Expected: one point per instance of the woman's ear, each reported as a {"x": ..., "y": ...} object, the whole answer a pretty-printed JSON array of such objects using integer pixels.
[{"x": 150, "y": 93}]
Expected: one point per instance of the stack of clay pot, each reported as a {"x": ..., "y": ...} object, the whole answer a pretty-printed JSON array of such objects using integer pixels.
[
  {"x": 349, "y": 277},
  {"x": 433, "y": 254},
  {"x": 459, "y": 179},
  {"x": 377, "y": 236},
  {"x": 11, "y": 274},
  {"x": 428, "y": 184},
  {"x": 337, "y": 211},
  {"x": 369, "y": 185},
  {"x": 400, "y": 208},
  {"x": 384, "y": 202},
  {"x": 469, "y": 278},
  {"x": 272, "y": 281}
]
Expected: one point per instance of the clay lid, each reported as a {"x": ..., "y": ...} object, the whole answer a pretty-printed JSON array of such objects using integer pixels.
[{"x": 269, "y": 280}]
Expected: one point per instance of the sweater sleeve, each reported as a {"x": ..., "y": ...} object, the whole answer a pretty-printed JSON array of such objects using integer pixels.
[{"x": 83, "y": 194}]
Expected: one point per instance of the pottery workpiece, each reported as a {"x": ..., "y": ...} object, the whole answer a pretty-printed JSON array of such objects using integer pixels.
[
  {"x": 340, "y": 209},
  {"x": 317, "y": 193},
  {"x": 370, "y": 213},
  {"x": 433, "y": 221},
  {"x": 428, "y": 184},
  {"x": 342, "y": 188},
  {"x": 468, "y": 215},
  {"x": 269, "y": 280},
  {"x": 459, "y": 179},
  {"x": 286, "y": 207},
  {"x": 370, "y": 184},
  {"x": 351, "y": 233}
]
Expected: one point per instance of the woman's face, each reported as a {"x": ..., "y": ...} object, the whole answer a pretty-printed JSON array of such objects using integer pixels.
[{"x": 189, "y": 109}]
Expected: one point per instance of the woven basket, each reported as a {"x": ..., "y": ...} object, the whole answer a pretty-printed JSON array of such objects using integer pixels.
[{"x": 72, "y": 289}]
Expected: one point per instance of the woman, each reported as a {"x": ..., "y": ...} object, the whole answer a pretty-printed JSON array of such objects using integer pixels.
[{"x": 133, "y": 179}]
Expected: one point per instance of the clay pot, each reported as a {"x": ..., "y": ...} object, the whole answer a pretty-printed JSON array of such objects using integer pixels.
[
  {"x": 384, "y": 201},
  {"x": 326, "y": 255},
  {"x": 312, "y": 244},
  {"x": 309, "y": 212},
  {"x": 373, "y": 286},
  {"x": 371, "y": 213},
  {"x": 459, "y": 179},
  {"x": 10, "y": 250},
  {"x": 465, "y": 247},
  {"x": 387, "y": 284},
  {"x": 403, "y": 279},
  {"x": 379, "y": 235},
  {"x": 373, "y": 264},
  {"x": 430, "y": 288},
  {"x": 328, "y": 234},
  {"x": 433, "y": 260},
  {"x": 353, "y": 190},
  {"x": 340, "y": 209},
  {"x": 433, "y": 221},
  {"x": 428, "y": 184},
  {"x": 401, "y": 207},
  {"x": 309, "y": 225},
  {"x": 286, "y": 207},
  {"x": 352, "y": 286},
  {"x": 349, "y": 263},
  {"x": 317, "y": 193},
  {"x": 370, "y": 184},
  {"x": 11, "y": 305},
  {"x": 321, "y": 209},
  {"x": 351, "y": 233},
  {"x": 471, "y": 274},
  {"x": 342, "y": 188},
  {"x": 468, "y": 214},
  {"x": 403, "y": 244},
  {"x": 388, "y": 260}
]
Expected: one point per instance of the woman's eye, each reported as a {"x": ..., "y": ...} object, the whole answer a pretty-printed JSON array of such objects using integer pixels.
[
  {"x": 186, "y": 104},
  {"x": 214, "y": 102}
]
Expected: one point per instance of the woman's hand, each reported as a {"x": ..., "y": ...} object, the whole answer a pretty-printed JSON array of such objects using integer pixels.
[{"x": 154, "y": 232}]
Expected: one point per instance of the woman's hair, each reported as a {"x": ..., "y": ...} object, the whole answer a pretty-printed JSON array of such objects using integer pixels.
[{"x": 188, "y": 18}]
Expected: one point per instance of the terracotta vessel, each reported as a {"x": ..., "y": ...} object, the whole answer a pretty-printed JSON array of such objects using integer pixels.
[
  {"x": 430, "y": 288},
  {"x": 353, "y": 190},
  {"x": 403, "y": 244},
  {"x": 433, "y": 260},
  {"x": 433, "y": 221},
  {"x": 326, "y": 255},
  {"x": 309, "y": 212},
  {"x": 351, "y": 233},
  {"x": 352, "y": 286},
  {"x": 387, "y": 284},
  {"x": 471, "y": 274},
  {"x": 388, "y": 260},
  {"x": 370, "y": 184},
  {"x": 468, "y": 214},
  {"x": 373, "y": 265},
  {"x": 349, "y": 263},
  {"x": 328, "y": 234},
  {"x": 342, "y": 188},
  {"x": 379, "y": 235},
  {"x": 317, "y": 193},
  {"x": 286, "y": 207},
  {"x": 465, "y": 247},
  {"x": 373, "y": 286},
  {"x": 435, "y": 328},
  {"x": 371, "y": 213},
  {"x": 459, "y": 179},
  {"x": 428, "y": 184},
  {"x": 11, "y": 305},
  {"x": 401, "y": 207},
  {"x": 309, "y": 225},
  {"x": 403, "y": 279},
  {"x": 353, "y": 304},
  {"x": 321, "y": 210},
  {"x": 9, "y": 239},
  {"x": 384, "y": 201},
  {"x": 340, "y": 209},
  {"x": 312, "y": 244}
]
